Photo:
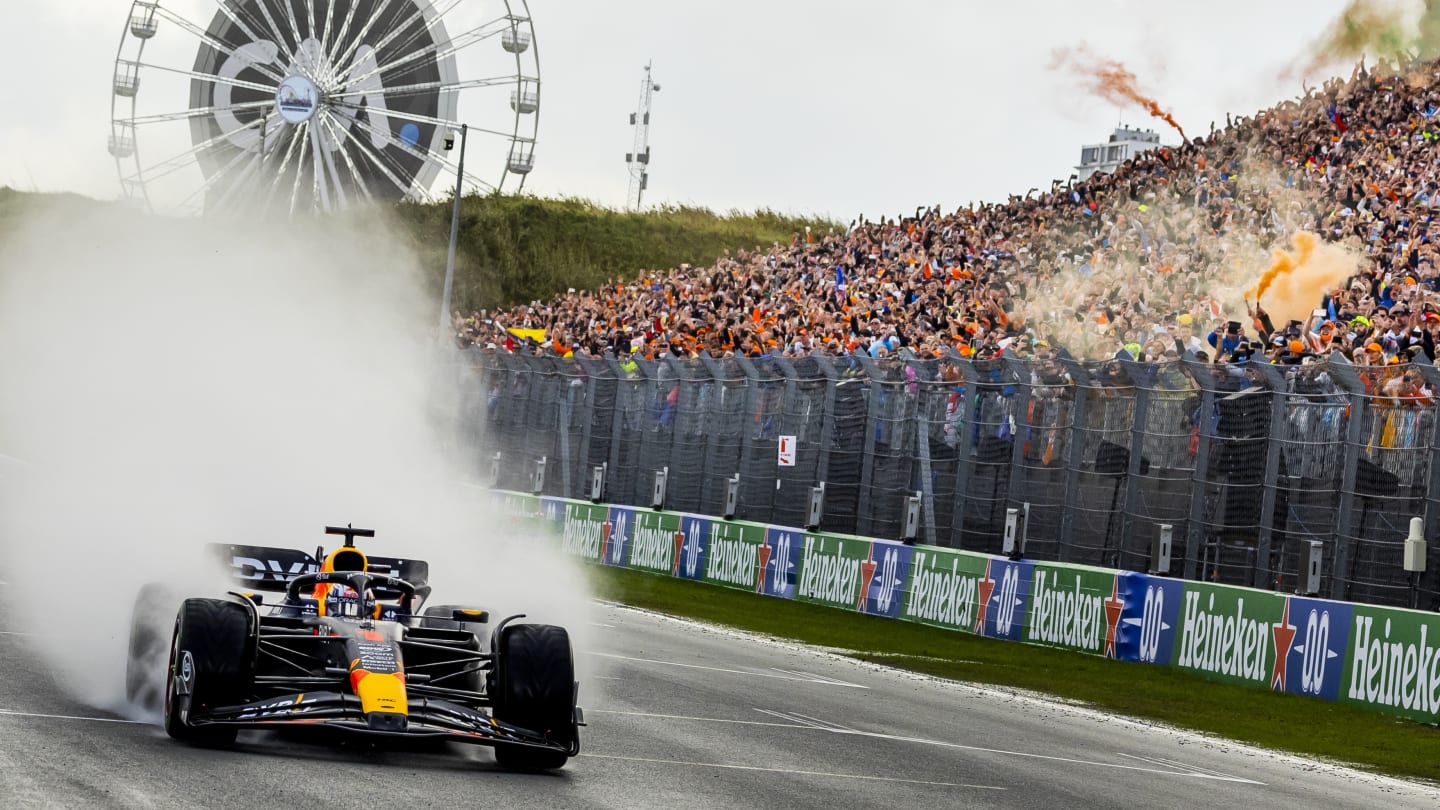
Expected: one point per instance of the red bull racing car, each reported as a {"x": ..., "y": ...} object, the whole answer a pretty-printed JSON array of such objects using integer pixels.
[{"x": 348, "y": 644}]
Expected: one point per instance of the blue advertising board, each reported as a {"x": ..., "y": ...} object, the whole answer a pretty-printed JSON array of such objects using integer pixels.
[
  {"x": 889, "y": 567},
  {"x": 1003, "y": 597},
  {"x": 1150, "y": 618}
]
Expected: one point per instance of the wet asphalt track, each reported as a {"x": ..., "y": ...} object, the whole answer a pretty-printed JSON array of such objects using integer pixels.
[{"x": 683, "y": 716}]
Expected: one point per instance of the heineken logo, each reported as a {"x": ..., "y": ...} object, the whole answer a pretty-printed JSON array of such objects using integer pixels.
[
  {"x": 939, "y": 595},
  {"x": 1063, "y": 614},
  {"x": 1396, "y": 672},
  {"x": 732, "y": 561},
  {"x": 652, "y": 547},
  {"x": 827, "y": 575},
  {"x": 1224, "y": 642},
  {"x": 582, "y": 536}
]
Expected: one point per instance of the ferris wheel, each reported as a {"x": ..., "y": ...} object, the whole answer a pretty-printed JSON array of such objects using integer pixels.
[{"x": 317, "y": 105}]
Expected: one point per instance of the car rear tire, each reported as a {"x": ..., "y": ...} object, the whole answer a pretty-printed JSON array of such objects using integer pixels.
[
  {"x": 533, "y": 687},
  {"x": 213, "y": 651},
  {"x": 150, "y": 623}
]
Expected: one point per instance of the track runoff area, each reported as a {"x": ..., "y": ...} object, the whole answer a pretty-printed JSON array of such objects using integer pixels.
[{"x": 683, "y": 715}]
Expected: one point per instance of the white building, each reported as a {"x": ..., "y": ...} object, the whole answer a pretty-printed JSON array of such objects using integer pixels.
[{"x": 1124, "y": 143}]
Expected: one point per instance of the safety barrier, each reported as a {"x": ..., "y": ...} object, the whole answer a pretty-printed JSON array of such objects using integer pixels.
[
  {"x": 1387, "y": 659},
  {"x": 1249, "y": 466}
]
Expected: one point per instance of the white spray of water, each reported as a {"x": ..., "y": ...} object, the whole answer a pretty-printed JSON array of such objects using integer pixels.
[{"x": 173, "y": 383}]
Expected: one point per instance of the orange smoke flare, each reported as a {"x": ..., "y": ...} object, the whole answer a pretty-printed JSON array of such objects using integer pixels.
[
  {"x": 1297, "y": 280},
  {"x": 1284, "y": 264},
  {"x": 1111, "y": 80}
]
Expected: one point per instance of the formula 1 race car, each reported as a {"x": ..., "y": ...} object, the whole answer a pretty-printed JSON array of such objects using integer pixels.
[{"x": 349, "y": 645}]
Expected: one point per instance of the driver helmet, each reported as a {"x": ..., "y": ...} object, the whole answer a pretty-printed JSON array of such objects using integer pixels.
[{"x": 345, "y": 558}]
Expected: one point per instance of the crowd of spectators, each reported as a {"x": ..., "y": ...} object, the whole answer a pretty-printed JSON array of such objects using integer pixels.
[{"x": 1135, "y": 262}]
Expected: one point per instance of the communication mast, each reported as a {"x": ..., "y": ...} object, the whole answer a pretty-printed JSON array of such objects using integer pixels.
[{"x": 638, "y": 160}]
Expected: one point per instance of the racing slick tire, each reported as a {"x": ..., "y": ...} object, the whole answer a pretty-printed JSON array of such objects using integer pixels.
[
  {"x": 150, "y": 621},
  {"x": 211, "y": 656},
  {"x": 533, "y": 687}
]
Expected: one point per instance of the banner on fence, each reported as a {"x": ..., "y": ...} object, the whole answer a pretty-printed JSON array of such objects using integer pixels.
[
  {"x": 1150, "y": 620},
  {"x": 1382, "y": 658},
  {"x": 585, "y": 529},
  {"x": 944, "y": 588},
  {"x": 1075, "y": 608},
  {"x": 1391, "y": 660}
]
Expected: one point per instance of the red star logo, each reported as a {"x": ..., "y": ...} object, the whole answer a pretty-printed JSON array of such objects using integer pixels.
[
  {"x": 1113, "y": 608},
  {"x": 1284, "y": 633},
  {"x": 605, "y": 540},
  {"x": 679, "y": 547},
  {"x": 987, "y": 587},
  {"x": 765, "y": 552},
  {"x": 867, "y": 575}
]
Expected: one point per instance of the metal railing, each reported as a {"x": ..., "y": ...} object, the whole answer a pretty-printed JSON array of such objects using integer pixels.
[{"x": 1248, "y": 464}]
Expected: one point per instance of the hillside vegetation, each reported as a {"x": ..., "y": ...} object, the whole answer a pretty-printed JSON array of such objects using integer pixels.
[
  {"x": 518, "y": 249},
  {"x": 515, "y": 249}
]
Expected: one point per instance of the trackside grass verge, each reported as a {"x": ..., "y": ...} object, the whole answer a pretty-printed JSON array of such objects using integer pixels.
[{"x": 1280, "y": 721}]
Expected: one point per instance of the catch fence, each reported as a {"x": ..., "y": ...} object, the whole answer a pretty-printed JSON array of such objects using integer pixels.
[{"x": 1247, "y": 464}]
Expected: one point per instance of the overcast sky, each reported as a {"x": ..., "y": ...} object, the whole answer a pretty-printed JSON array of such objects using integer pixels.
[{"x": 835, "y": 107}]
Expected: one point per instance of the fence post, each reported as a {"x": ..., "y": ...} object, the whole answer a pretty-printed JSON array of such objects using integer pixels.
[
  {"x": 1271, "y": 482},
  {"x": 1075, "y": 451},
  {"x": 587, "y": 426},
  {"x": 922, "y": 449},
  {"x": 1430, "y": 578},
  {"x": 827, "y": 417},
  {"x": 1143, "y": 378},
  {"x": 617, "y": 428},
  {"x": 1195, "y": 533},
  {"x": 1019, "y": 412},
  {"x": 1354, "y": 432},
  {"x": 567, "y": 409},
  {"x": 783, "y": 497},
  {"x": 964, "y": 448},
  {"x": 864, "y": 521},
  {"x": 745, "y": 510}
]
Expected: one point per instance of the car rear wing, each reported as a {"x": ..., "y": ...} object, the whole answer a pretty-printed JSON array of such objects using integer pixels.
[{"x": 264, "y": 568}]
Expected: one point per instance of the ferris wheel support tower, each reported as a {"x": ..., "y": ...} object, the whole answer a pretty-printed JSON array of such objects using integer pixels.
[{"x": 639, "y": 158}]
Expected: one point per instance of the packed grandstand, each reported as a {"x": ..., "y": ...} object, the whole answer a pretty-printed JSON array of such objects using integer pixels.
[{"x": 1156, "y": 260}]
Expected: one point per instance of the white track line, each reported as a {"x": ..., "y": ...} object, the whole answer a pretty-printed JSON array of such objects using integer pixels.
[
  {"x": 703, "y": 719},
  {"x": 790, "y": 771},
  {"x": 746, "y": 673},
  {"x": 9, "y": 713}
]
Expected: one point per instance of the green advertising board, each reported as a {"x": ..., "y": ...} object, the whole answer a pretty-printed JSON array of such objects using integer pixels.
[
  {"x": 1227, "y": 633},
  {"x": 583, "y": 529},
  {"x": 518, "y": 505},
  {"x": 1074, "y": 608},
  {"x": 732, "y": 553},
  {"x": 832, "y": 571},
  {"x": 653, "y": 541},
  {"x": 945, "y": 588},
  {"x": 1392, "y": 662}
]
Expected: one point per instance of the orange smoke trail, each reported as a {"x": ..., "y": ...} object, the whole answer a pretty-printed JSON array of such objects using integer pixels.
[
  {"x": 1297, "y": 280},
  {"x": 1285, "y": 264},
  {"x": 1111, "y": 80}
]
